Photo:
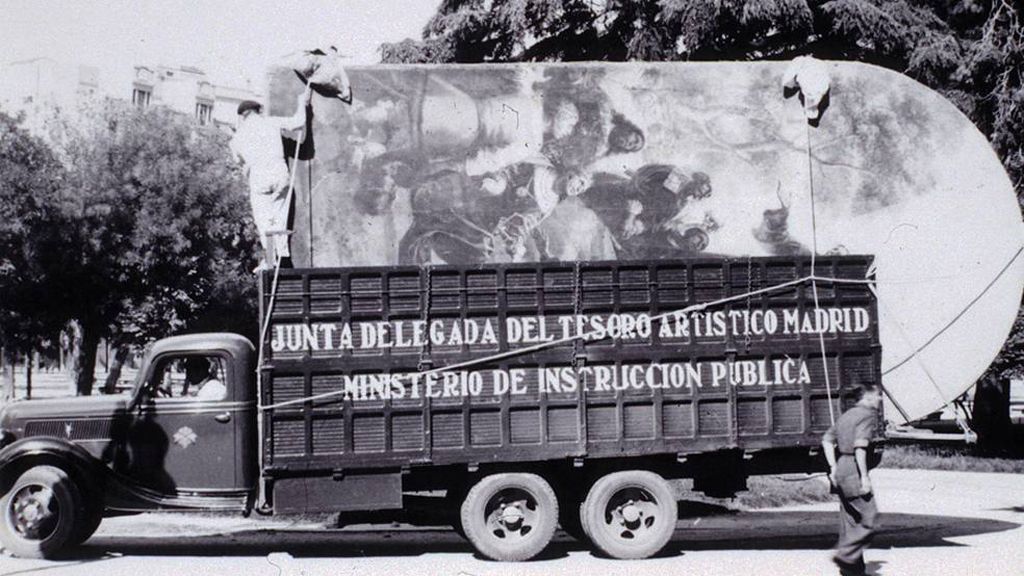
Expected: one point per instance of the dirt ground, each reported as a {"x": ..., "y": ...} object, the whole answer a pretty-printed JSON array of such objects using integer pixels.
[{"x": 933, "y": 523}]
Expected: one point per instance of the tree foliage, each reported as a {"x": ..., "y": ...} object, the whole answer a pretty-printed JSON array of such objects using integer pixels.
[
  {"x": 30, "y": 179},
  {"x": 971, "y": 51},
  {"x": 154, "y": 230}
]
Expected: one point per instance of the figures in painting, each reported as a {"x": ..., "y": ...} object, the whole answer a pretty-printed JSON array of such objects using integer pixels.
[
  {"x": 491, "y": 175},
  {"x": 773, "y": 232}
]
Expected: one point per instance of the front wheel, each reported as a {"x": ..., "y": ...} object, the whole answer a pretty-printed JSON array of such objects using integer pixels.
[
  {"x": 510, "y": 516},
  {"x": 630, "y": 514},
  {"x": 39, "y": 513},
  {"x": 88, "y": 522}
]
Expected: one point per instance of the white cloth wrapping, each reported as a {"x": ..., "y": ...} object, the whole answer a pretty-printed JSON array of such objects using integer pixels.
[{"x": 323, "y": 70}]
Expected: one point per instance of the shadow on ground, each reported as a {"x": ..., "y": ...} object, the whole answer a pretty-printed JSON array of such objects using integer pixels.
[{"x": 713, "y": 529}]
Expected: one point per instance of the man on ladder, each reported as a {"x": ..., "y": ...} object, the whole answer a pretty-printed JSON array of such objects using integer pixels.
[{"x": 259, "y": 145}]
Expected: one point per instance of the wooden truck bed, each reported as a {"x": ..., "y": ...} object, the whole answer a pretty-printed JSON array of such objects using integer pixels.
[{"x": 371, "y": 345}]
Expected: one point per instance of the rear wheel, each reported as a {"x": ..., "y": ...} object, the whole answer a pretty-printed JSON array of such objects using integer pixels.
[
  {"x": 630, "y": 514},
  {"x": 453, "y": 499},
  {"x": 510, "y": 516},
  {"x": 38, "y": 514}
]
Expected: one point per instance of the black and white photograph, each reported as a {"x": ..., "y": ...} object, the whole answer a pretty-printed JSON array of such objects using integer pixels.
[{"x": 480, "y": 287}]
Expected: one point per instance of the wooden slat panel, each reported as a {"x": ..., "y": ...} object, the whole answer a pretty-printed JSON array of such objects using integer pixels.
[{"x": 606, "y": 412}]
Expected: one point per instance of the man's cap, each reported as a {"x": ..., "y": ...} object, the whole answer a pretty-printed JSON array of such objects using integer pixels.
[{"x": 248, "y": 105}]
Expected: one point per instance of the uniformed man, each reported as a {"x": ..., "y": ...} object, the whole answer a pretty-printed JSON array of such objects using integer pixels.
[{"x": 852, "y": 435}]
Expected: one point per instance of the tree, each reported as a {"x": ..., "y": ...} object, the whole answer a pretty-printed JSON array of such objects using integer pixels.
[
  {"x": 971, "y": 51},
  {"x": 30, "y": 177},
  {"x": 154, "y": 227}
]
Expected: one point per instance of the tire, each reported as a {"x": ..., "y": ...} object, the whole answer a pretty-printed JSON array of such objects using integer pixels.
[
  {"x": 90, "y": 515},
  {"x": 87, "y": 525},
  {"x": 457, "y": 528},
  {"x": 510, "y": 517},
  {"x": 630, "y": 514},
  {"x": 38, "y": 515},
  {"x": 453, "y": 510}
]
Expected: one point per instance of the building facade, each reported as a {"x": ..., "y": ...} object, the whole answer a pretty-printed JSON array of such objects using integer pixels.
[
  {"x": 37, "y": 86},
  {"x": 189, "y": 90}
]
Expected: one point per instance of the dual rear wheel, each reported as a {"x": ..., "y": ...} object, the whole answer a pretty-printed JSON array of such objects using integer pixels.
[
  {"x": 630, "y": 514},
  {"x": 512, "y": 516}
]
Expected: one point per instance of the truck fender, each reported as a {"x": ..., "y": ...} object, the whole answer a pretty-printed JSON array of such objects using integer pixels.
[{"x": 15, "y": 458}]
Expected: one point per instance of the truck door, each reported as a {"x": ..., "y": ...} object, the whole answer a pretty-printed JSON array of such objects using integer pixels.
[{"x": 182, "y": 437}]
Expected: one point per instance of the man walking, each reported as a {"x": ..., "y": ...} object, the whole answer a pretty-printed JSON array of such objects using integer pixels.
[
  {"x": 258, "y": 144},
  {"x": 852, "y": 434}
]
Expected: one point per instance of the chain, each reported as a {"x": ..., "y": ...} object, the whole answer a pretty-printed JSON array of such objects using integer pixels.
[
  {"x": 577, "y": 306},
  {"x": 425, "y": 349},
  {"x": 750, "y": 290}
]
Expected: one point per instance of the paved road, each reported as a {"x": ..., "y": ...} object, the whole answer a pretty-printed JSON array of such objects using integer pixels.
[{"x": 933, "y": 523}]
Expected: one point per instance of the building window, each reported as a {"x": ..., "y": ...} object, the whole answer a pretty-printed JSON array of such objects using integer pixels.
[
  {"x": 204, "y": 112},
  {"x": 141, "y": 97}
]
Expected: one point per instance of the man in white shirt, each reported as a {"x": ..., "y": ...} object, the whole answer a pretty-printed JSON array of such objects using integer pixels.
[
  {"x": 200, "y": 381},
  {"x": 258, "y": 144}
]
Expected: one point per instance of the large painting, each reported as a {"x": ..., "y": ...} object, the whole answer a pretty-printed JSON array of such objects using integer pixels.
[{"x": 545, "y": 162}]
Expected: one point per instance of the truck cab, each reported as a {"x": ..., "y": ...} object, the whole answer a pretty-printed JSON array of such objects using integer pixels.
[{"x": 184, "y": 438}]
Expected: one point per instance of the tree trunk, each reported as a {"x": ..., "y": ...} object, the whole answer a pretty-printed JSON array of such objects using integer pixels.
[
  {"x": 991, "y": 415},
  {"x": 114, "y": 369},
  {"x": 6, "y": 374},
  {"x": 72, "y": 338},
  {"x": 83, "y": 360},
  {"x": 28, "y": 375}
]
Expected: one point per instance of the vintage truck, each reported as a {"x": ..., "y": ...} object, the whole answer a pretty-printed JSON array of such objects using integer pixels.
[
  {"x": 544, "y": 291},
  {"x": 527, "y": 394}
]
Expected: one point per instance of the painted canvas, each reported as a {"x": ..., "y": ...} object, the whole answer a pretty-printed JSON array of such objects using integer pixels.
[{"x": 597, "y": 161}]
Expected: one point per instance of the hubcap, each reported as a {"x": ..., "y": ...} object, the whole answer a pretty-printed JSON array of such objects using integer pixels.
[
  {"x": 511, "y": 516},
  {"x": 33, "y": 512},
  {"x": 511, "y": 513},
  {"x": 631, "y": 513}
]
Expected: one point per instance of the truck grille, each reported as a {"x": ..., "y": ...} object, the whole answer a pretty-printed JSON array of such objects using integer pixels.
[{"x": 69, "y": 429}]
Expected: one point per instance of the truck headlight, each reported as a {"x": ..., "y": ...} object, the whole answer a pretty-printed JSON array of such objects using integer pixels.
[{"x": 5, "y": 437}]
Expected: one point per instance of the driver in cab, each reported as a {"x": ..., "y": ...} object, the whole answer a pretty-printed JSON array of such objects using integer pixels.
[{"x": 200, "y": 382}]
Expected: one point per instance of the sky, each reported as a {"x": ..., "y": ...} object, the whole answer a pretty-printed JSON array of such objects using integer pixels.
[{"x": 231, "y": 40}]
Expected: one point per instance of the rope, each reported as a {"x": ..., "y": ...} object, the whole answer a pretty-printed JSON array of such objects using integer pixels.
[
  {"x": 261, "y": 496},
  {"x": 958, "y": 315},
  {"x": 814, "y": 284},
  {"x": 906, "y": 338},
  {"x": 591, "y": 335}
]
